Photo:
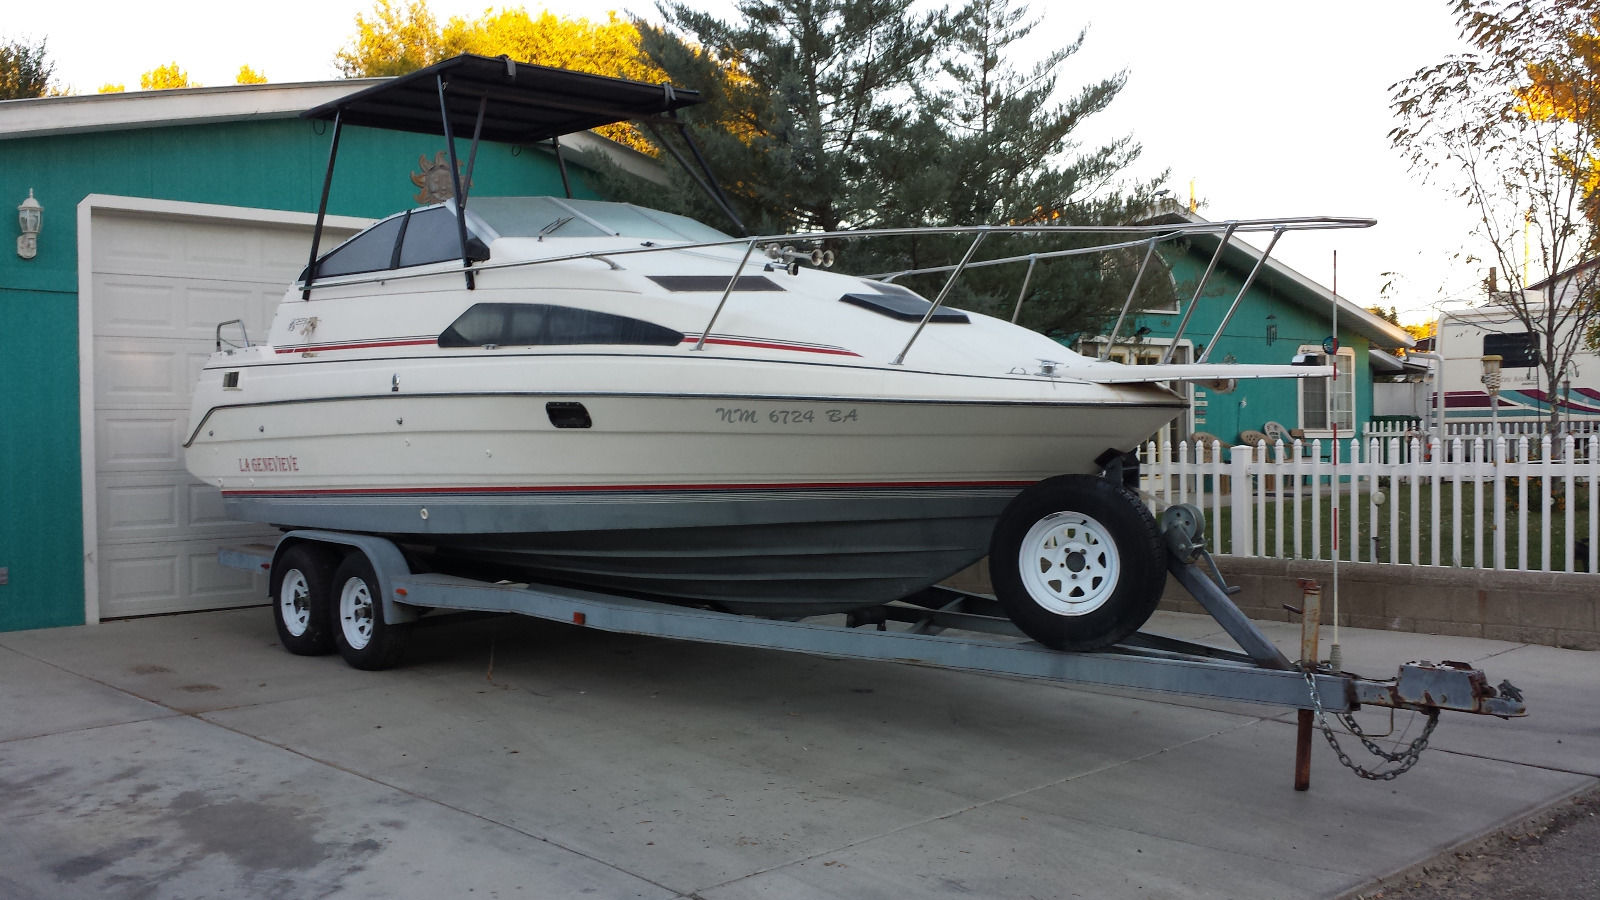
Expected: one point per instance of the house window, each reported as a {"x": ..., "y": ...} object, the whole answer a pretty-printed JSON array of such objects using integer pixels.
[{"x": 1324, "y": 406}]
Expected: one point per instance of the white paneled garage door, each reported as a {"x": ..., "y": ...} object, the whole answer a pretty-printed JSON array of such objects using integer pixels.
[{"x": 159, "y": 282}]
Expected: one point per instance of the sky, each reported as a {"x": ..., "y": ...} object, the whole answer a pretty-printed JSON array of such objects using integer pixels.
[{"x": 1267, "y": 107}]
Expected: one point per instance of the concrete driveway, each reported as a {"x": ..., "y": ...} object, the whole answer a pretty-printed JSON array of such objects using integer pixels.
[{"x": 189, "y": 756}]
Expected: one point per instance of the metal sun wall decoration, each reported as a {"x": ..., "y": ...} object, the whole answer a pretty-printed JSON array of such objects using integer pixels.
[{"x": 434, "y": 179}]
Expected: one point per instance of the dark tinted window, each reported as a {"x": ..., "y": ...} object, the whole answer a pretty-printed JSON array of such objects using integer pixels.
[
  {"x": 1517, "y": 351},
  {"x": 370, "y": 251},
  {"x": 907, "y": 306},
  {"x": 525, "y": 324},
  {"x": 430, "y": 237}
]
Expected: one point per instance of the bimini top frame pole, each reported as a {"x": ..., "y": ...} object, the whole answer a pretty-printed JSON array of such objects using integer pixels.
[
  {"x": 322, "y": 208},
  {"x": 497, "y": 99},
  {"x": 455, "y": 175}
]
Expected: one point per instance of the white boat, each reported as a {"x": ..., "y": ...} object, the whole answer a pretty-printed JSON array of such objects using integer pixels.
[{"x": 606, "y": 395}]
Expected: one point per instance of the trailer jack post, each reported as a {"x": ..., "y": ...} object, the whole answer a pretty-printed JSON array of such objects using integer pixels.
[{"x": 1310, "y": 639}]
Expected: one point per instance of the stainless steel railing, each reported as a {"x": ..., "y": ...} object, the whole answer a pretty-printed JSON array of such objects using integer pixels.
[{"x": 1124, "y": 237}]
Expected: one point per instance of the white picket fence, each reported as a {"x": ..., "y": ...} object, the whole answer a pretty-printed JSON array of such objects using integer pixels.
[
  {"x": 1583, "y": 432},
  {"x": 1467, "y": 502}
]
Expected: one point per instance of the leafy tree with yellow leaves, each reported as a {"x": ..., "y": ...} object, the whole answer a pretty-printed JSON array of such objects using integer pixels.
[
  {"x": 165, "y": 77},
  {"x": 394, "y": 40},
  {"x": 604, "y": 48},
  {"x": 1512, "y": 128},
  {"x": 111, "y": 88},
  {"x": 248, "y": 75}
]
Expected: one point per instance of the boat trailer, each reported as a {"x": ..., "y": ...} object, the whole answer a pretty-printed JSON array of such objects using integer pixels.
[{"x": 955, "y": 629}]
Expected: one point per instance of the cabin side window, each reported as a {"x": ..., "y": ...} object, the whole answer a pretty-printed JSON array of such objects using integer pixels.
[
  {"x": 540, "y": 324},
  {"x": 416, "y": 238},
  {"x": 430, "y": 237},
  {"x": 370, "y": 251}
]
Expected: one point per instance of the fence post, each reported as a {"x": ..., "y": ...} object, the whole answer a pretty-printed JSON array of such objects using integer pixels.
[
  {"x": 1239, "y": 499},
  {"x": 1499, "y": 531}
]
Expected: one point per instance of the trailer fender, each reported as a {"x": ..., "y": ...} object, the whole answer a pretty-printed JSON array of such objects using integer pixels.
[{"x": 387, "y": 562}]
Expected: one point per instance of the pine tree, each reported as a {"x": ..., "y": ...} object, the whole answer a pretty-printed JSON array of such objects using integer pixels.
[
  {"x": 866, "y": 114},
  {"x": 799, "y": 88}
]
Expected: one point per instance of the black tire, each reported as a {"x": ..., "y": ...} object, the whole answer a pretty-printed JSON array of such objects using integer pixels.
[
  {"x": 301, "y": 592},
  {"x": 364, "y": 638},
  {"x": 1077, "y": 562}
]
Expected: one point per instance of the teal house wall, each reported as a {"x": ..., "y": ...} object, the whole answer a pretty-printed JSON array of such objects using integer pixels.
[
  {"x": 1281, "y": 312},
  {"x": 273, "y": 163},
  {"x": 1297, "y": 323}
]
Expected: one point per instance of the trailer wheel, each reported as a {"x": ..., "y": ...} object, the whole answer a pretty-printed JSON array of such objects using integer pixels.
[
  {"x": 302, "y": 582},
  {"x": 1077, "y": 562},
  {"x": 365, "y": 640}
]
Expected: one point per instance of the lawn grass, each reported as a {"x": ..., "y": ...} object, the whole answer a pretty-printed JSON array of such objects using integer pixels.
[{"x": 1456, "y": 540}]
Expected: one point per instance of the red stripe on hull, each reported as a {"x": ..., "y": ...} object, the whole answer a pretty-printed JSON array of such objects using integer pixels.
[
  {"x": 769, "y": 345},
  {"x": 611, "y": 488}
]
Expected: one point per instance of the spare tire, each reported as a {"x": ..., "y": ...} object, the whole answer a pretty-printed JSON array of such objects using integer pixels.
[{"x": 1077, "y": 562}]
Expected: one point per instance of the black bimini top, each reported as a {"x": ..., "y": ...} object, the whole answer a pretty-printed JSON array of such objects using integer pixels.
[{"x": 526, "y": 103}]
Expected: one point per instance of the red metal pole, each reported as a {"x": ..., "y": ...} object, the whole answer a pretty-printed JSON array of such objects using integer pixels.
[{"x": 1310, "y": 623}]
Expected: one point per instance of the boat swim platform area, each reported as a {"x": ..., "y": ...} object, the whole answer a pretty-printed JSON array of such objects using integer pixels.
[{"x": 176, "y": 755}]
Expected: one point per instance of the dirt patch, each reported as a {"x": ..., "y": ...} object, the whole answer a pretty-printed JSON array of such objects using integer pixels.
[{"x": 1548, "y": 856}]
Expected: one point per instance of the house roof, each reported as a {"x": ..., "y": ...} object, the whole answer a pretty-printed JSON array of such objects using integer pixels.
[
  {"x": 1388, "y": 364},
  {"x": 1297, "y": 287},
  {"x": 93, "y": 113},
  {"x": 45, "y": 116},
  {"x": 1565, "y": 274}
]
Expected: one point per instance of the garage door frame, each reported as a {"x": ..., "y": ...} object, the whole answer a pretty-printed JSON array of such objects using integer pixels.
[{"x": 166, "y": 209}]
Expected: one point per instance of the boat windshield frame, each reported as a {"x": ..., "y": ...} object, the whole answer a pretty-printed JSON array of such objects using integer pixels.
[{"x": 605, "y": 218}]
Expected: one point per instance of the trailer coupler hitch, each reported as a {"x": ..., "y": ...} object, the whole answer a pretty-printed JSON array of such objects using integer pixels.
[
  {"x": 1427, "y": 687},
  {"x": 1423, "y": 687}
]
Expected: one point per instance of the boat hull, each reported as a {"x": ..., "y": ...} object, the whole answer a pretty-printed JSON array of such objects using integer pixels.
[
  {"x": 783, "y": 506},
  {"x": 775, "y": 552}
]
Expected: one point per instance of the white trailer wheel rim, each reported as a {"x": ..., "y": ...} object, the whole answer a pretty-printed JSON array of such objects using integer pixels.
[
  {"x": 1069, "y": 564},
  {"x": 294, "y": 603},
  {"x": 355, "y": 613}
]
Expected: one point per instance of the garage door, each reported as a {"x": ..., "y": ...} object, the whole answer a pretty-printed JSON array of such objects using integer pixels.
[{"x": 160, "y": 283}]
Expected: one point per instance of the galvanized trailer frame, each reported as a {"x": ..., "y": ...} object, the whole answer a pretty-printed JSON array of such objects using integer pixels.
[{"x": 938, "y": 627}]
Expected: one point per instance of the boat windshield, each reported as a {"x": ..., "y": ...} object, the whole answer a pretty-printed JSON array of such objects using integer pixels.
[{"x": 563, "y": 217}]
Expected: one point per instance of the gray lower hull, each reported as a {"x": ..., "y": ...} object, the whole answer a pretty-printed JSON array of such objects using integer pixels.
[{"x": 778, "y": 551}]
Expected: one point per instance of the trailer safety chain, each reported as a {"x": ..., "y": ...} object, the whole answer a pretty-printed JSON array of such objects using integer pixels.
[{"x": 1406, "y": 758}]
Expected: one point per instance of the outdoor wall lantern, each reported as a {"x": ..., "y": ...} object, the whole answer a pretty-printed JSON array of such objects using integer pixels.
[
  {"x": 29, "y": 217},
  {"x": 1272, "y": 329}
]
